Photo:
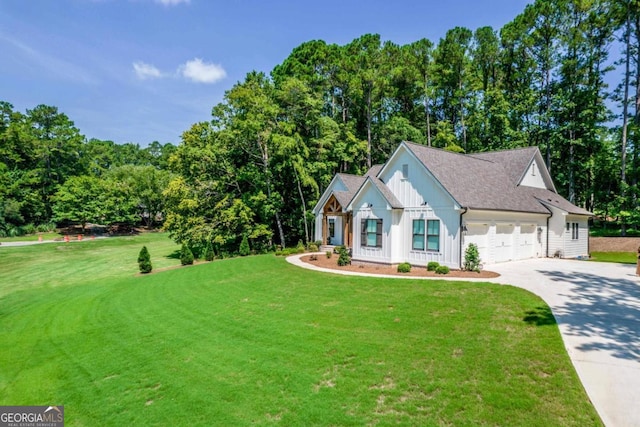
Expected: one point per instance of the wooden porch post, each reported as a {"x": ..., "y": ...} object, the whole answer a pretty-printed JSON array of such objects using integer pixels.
[
  {"x": 345, "y": 230},
  {"x": 325, "y": 226}
]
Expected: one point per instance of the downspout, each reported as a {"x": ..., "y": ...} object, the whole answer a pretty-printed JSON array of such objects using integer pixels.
[
  {"x": 547, "y": 251},
  {"x": 461, "y": 237}
]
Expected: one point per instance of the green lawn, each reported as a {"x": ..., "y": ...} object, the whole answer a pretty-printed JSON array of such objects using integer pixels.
[
  {"x": 620, "y": 257},
  {"x": 256, "y": 341},
  {"x": 32, "y": 237}
]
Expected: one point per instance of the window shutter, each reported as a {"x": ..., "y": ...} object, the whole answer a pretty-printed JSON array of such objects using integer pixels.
[
  {"x": 363, "y": 232},
  {"x": 378, "y": 233}
]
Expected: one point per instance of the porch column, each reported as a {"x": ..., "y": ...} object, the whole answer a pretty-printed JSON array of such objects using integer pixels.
[
  {"x": 325, "y": 226},
  {"x": 345, "y": 230}
]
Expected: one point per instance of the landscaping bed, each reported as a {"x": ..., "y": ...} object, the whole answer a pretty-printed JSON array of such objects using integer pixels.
[{"x": 332, "y": 263}]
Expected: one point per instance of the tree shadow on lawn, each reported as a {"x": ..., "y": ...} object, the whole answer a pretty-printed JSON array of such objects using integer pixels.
[
  {"x": 605, "y": 309},
  {"x": 540, "y": 316}
]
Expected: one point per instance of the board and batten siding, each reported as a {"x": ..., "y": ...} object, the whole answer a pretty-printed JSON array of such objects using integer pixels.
[
  {"x": 370, "y": 204},
  {"x": 533, "y": 177},
  {"x": 422, "y": 198}
]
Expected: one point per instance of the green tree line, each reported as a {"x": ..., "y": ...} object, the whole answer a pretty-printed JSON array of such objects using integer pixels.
[
  {"x": 275, "y": 141},
  {"x": 51, "y": 175},
  {"x": 564, "y": 76}
]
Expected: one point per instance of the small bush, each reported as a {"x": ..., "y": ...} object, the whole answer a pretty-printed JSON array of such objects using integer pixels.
[
  {"x": 209, "y": 253},
  {"x": 300, "y": 248},
  {"x": 442, "y": 269},
  {"x": 318, "y": 243},
  {"x": 432, "y": 265},
  {"x": 472, "y": 258},
  {"x": 144, "y": 260},
  {"x": 404, "y": 267},
  {"x": 344, "y": 258},
  {"x": 244, "y": 246},
  {"x": 313, "y": 247},
  {"x": 329, "y": 254},
  {"x": 186, "y": 256},
  {"x": 29, "y": 229}
]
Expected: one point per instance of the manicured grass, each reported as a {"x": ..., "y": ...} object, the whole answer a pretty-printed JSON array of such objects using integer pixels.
[
  {"x": 32, "y": 237},
  {"x": 620, "y": 257},
  {"x": 255, "y": 340}
]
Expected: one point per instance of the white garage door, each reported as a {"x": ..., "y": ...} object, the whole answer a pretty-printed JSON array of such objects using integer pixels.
[
  {"x": 504, "y": 242},
  {"x": 527, "y": 242},
  {"x": 478, "y": 234}
]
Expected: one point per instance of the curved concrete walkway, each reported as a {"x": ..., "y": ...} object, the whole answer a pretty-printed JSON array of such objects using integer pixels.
[{"x": 597, "y": 308}]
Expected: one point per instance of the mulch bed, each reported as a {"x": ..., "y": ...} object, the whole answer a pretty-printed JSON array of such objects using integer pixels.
[{"x": 332, "y": 263}]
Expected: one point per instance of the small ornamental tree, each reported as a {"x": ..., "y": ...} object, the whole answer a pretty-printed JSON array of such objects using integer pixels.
[
  {"x": 144, "y": 260},
  {"x": 472, "y": 258},
  {"x": 186, "y": 256},
  {"x": 244, "y": 246}
]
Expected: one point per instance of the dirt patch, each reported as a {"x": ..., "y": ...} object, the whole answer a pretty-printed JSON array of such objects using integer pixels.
[
  {"x": 332, "y": 263},
  {"x": 614, "y": 244}
]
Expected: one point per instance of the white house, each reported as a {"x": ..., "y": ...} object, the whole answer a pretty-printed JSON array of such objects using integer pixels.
[{"x": 427, "y": 204}]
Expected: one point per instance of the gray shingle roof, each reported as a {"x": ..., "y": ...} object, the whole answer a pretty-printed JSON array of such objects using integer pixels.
[
  {"x": 514, "y": 162},
  {"x": 489, "y": 180},
  {"x": 353, "y": 183}
]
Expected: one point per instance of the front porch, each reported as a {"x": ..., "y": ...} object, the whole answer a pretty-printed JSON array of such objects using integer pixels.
[{"x": 337, "y": 225}]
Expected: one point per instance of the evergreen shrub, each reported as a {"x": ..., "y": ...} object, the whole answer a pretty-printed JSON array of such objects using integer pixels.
[
  {"x": 144, "y": 261},
  {"x": 442, "y": 269},
  {"x": 404, "y": 267},
  {"x": 244, "y": 246},
  {"x": 432, "y": 265},
  {"x": 186, "y": 256}
]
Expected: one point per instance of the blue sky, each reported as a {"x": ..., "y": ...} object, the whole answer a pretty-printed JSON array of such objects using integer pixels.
[{"x": 146, "y": 70}]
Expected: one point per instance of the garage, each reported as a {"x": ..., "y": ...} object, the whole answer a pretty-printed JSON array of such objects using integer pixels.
[
  {"x": 527, "y": 241},
  {"x": 504, "y": 250},
  {"x": 478, "y": 234}
]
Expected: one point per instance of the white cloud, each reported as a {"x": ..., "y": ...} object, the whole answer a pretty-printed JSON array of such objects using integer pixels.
[
  {"x": 146, "y": 71},
  {"x": 201, "y": 72},
  {"x": 172, "y": 2}
]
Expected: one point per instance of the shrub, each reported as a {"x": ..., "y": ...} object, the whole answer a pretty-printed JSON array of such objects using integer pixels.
[
  {"x": 29, "y": 229},
  {"x": 186, "y": 256},
  {"x": 329, "y": 254},
  {"x": 472, "y": 258},
  {"x": 404, "y": 267},
  {"x": 442, "y": 269},
  {"x": 244, "y": 246},
  {"x": 300, "y": 248},
  {"x": 432, "y": 265},
  {"x": 209, "y": 253},
  {"x": 313, "y": 247},
  {"x": 344, "y": 258},
  {"x": 144, "y": 260},
  {"x": 318, "y": 243}
]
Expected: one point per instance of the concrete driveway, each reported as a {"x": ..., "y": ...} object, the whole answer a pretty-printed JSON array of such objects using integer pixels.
[{"x": 597, "y": 307}]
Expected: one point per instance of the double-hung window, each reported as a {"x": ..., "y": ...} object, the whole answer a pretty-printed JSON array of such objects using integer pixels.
[
  {"x": 418, "y": 235},
  {"x": 371, "y": 233},
  {"x": 426, "y": 235}
]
